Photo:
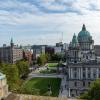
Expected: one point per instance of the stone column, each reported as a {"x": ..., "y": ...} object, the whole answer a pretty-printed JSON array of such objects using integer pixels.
[
  {"x": 91, "y": 73},
  {"x": 69, "y": 72},
  {"x": 97, "y": 73},
  {"x": 69, "y": 93},
  {"x": 86, "y": 73},
  {"x": 81, "y": 73}
]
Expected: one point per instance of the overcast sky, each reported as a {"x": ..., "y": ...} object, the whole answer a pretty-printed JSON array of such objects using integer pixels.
[{"x": 44, "y": 21}]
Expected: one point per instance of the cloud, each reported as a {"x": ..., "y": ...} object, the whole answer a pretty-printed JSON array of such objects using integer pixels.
[
  {"x": 17, "y": 6},
  {"x": 29, "y": 20}
]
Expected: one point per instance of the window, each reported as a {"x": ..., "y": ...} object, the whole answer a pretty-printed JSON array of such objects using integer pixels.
[
  {"x": 94, "y": 75},
  {"x": 75, "y": 84},
  {"x": 75, "y": 75},
  {"x": 75, "y": 61},
  {"x": 75, "y": 69},
  {"x": 83, "y": 83},
  {"x": 71, "y": 90},
  {"x": 83, "y": 69},
  {"x": 88, "y": 69},
  {"x": 89, "y": 83},
  {"x": 89, "y": 75},
  {"x": 86, "y": 57},
  {"x": 84, "y": 76}
]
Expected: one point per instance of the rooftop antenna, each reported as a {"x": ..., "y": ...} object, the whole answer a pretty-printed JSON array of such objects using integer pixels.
[{"x": 61, "y": 37}]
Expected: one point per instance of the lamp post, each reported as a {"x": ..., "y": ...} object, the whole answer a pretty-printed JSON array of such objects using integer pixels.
[{"x": 49, "y": 90}]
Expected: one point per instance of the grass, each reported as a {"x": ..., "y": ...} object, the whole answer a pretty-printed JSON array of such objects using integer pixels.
[
  {"x": 39, "y": 86},
  {"x": 52, "y": 64},
  {"x": 48, "y": 71}
]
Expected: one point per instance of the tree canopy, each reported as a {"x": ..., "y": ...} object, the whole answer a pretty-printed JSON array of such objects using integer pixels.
[
  {"x": 42, "y": 59},
  {"x": 23, "y": 68},
  {"x": 94, "y": 91},
  {"x": 14, "y": 72}
]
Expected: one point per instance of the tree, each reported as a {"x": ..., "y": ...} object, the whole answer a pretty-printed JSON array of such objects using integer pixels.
[
  {"x": 56, "y": 57},
  {"x": 12, "y": 74},
  {"x": 42, "y": 59},
  {"x": 23, "y": 68},
  {"x": 94, "y": 91},
  {"x": 39, "y": 62},
  {"x": 48, "y": 56}
]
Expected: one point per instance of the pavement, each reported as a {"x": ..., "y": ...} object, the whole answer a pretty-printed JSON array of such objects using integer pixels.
[
  {"x": 63, "y": 88},
  {"x": 33, "y": 75}
]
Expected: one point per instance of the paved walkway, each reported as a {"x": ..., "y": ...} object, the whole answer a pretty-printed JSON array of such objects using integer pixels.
[
  {"x": 45, "y": 75},
  {"x": 63, "y": 89}
]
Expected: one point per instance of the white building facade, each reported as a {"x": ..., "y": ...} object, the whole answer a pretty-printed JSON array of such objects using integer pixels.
[{"x": 82, "y": 65}]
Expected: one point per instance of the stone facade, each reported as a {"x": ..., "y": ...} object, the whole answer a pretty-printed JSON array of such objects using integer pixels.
[
  {"x": 32, "y": 97},
  {"x": 3, "y": 86},
  {"x": 82, "y": 65},
  {"x": 10, "y": 54}
]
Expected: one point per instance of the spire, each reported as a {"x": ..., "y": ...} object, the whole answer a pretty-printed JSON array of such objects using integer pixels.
[
  {"x": 74, "y": 35},
  {"x": 83, "y": 28},
  {"x": 11, "y": 42}
]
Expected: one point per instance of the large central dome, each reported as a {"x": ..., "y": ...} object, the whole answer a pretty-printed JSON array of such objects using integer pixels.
[{"x": 83, "y": 33}]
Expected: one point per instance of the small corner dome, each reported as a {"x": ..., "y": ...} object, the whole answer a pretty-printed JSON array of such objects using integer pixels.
[
  {"x": 84, "y": 32},
  {"x": 2, "y": 76}
]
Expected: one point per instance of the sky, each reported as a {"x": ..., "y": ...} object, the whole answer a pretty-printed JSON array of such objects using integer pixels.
[{"x": 47, "y": 21}]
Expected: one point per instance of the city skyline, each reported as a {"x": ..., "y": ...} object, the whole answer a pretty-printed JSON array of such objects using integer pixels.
[{"x": 44, "y": 21}]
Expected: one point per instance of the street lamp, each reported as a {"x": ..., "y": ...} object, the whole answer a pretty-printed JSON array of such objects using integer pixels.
[{"x": 49, "y": 90}]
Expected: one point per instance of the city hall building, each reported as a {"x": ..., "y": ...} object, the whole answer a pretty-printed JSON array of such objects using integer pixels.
[{"x": 82, "y": 63}]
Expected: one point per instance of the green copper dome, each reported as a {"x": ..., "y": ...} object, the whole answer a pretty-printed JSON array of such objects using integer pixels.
[
  {"x": 2, "y": 76},
  {"x": 83, "y": 32}
]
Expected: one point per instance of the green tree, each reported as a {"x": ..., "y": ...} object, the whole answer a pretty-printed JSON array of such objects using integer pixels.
[
  {"x": 12, "y": 74},
  {"x": 23, "y": 68},
  {"x": 39, "y": 61},
  {"x": 56, "y": 57},
  {"x": 48, "y": 57},
  {"x": 94, "y": 91},
  {"x": 42, "y": 59}
]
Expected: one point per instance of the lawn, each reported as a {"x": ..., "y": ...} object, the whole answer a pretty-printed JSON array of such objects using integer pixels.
[
  {"x": 52, "y": 64},
  {"x": 48, "y": 71},
  {"x": 39, "y": 86}
]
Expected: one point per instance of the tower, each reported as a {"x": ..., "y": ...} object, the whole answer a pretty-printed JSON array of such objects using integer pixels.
[
  {"x": 11, "y": 42},
  {"x": 74, "y": 50}
]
